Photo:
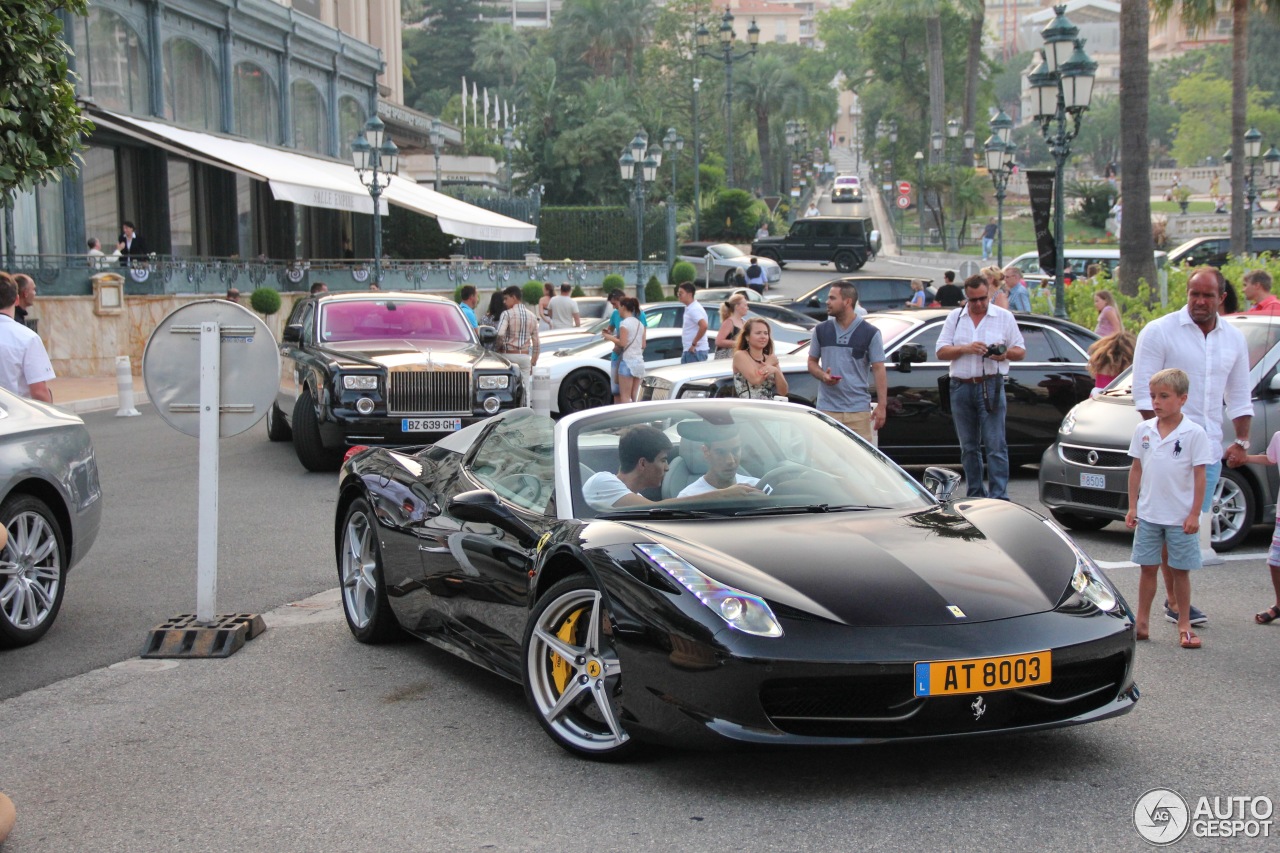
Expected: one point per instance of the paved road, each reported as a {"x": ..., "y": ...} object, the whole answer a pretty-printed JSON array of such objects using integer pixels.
[{"x": 306, "y": 740}]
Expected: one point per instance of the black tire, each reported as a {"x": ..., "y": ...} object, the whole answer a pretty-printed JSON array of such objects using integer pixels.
[
  {"x": 31, "y": 590},
  {"x": 277, "y": 429},
  {"x": 572, "y": 613},
  {"x": 584, "y": 388},
  {"x": 1233, "y": 511},
  {"x": 847, "y": 261},
  {"x": 360, "y": 578},
  {"x": 729, "y": 278},
  {"x": 1072, "y": 521},
  {"x": 311, "y": 451}
]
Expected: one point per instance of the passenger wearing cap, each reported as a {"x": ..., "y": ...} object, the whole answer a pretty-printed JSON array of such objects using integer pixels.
[{"x": 722, "y": 450}]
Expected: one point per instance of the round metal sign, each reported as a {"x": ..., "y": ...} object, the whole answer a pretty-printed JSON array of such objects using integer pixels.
[
  {"x": 968, "y": 268},
  {"x": 249, "y": 368},
  {"x": 904, "y": 201},
  {"x": 904, "y": 187}
]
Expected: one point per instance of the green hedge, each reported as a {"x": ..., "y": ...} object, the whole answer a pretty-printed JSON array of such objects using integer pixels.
[
  {"x": 599, "y": 233},
  {"x": 532, "y": 292}
]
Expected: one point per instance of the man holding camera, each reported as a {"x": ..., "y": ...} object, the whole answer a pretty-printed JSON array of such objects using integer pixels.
[{"x": 980, "y": 339}]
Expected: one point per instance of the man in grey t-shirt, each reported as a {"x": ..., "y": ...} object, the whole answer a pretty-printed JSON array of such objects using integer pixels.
[
  {"x": 845, "y": 352},
  {"x": 563, "y": 310}
]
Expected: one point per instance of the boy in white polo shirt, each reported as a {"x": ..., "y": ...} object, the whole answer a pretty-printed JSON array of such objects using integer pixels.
[{"x": 1166, "y": 487}]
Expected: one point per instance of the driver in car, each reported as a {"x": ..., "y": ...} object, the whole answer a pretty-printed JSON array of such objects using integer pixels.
[
  {"x": 642, "y": 463},
  {"x": 722, "y": 449}
]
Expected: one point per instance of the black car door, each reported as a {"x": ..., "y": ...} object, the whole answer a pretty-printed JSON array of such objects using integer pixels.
[
  {"x": 918, "y": 426},
  {"x": 1041, "y": 389},
  {"x": 482, "y": 585}
]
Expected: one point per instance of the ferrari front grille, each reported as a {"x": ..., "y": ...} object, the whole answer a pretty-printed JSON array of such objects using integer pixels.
[{"x": 429, "y": 392}]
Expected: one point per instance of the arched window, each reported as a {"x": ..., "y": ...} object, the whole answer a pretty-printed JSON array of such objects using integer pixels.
[
  {"x": 113, "y": 63},
  {"x": 310, "y": 123},
  {"x": 351, "y": 118},
  {"x": 191, "y": 86},
  {"x": 257, "y": 106}
]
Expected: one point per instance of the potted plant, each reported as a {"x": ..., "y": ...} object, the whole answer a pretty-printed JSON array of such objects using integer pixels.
[{"x": 1182, "y": 195}]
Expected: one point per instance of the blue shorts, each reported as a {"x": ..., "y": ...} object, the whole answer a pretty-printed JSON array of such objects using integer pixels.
[
  {"x": 1273, "y": 557},
  {"x": 635, "y": 372},
  {"x": 1184, "y": 548},
  {"x": 1212, "y": 473}
]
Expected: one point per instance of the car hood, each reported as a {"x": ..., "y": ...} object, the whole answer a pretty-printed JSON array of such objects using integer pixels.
[
  {"x": 1107, "y": 420},
  {"x": 991, "y": 559},
  {"x": 401, "y": 354}
]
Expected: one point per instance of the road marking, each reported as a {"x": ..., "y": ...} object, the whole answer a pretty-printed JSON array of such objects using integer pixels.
[{"x": 1129, "y": 564}]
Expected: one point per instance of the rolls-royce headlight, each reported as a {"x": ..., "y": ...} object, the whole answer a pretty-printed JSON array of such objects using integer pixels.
[
  {"x": 492, "y": 382},
  {"x": 1088, "y": 580},
  {"x": 690, "y": 391},
  {"x": 360, "y": 383},
  {"x": 740, "y": 610}
]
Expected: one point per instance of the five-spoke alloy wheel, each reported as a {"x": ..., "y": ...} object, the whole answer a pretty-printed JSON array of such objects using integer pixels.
[
  {"x": 572, "y": 675},
  {"x": 364, "y": 595}
]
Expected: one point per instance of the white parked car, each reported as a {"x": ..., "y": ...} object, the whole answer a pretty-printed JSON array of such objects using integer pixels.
[
  {"x": 580, "y": 376},
  {"x": 725, "y": 261}
]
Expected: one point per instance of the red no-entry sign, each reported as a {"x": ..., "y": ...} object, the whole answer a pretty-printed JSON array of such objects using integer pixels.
[{"x": 904, "y": 187}]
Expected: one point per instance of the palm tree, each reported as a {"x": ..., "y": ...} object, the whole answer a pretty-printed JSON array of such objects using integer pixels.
[
  {"x": 1201, "y": 14},
  {"x": 1135, "y": 235},
  {"x": 770, "y": 87},
  {"x": 977, "y": 12},
  {"x": 501, "y": 50},
  {"x": 606, "y": 28}
]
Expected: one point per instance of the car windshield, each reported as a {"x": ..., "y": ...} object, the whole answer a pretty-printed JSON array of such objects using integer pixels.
[
  {"x": 891, "y": 328},
  {"x": 392, "y": 319},
  {"x": 1259, "y": 338},
  {"x": 725, "y": 250},
  {"x": 637, "y": 461}
]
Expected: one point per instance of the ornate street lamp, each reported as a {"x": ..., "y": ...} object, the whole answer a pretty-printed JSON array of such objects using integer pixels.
[
  {"x": 999, "y": 156},
  {"x": 1271, "y": 167},
  {"x": 1252, "y": 150},
  {"x": 697, "y": 161},
  {"x": 508, "y": 142},
  {"x": 726, "y": 56},
  {"x": 673, "y": 142},
  {"x": 1061, "y": 86},
  {"x": 376, "y": 158},
  {"x": 639, "y": 163},
  {"x": 436, "y": 137},
  {"x": 920, "y": 193}
]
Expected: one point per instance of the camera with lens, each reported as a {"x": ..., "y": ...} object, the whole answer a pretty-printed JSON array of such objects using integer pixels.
[{"x": 996, "y": 349}]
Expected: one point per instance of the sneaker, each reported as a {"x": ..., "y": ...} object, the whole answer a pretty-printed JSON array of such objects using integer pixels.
[{"x": 1197, "y": 616}]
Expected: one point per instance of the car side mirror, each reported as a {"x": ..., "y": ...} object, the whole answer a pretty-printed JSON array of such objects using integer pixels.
[
  {"x": 941, "y": 482},
  {"x": 293, "y": 333},
  {"x": 813, "y": 303},
  {"x": 483, "y": 507},
  {"x": 907, "y": 355},
  {"x": 1274, "y": 384},
  {"x": 488, "y": 336}
]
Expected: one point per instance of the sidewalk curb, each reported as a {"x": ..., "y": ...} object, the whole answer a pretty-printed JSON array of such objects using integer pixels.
[{"x": 101, "y": 404}]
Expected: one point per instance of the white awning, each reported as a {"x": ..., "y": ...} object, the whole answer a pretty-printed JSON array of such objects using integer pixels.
[{"x": 319, "y": 182}]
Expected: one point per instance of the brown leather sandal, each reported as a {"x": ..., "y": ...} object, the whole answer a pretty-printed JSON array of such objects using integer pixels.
[{"x": 1267, "y": 616}]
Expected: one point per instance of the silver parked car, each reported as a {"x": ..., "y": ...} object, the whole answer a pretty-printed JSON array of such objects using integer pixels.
[
  {"x": 724, "y": 261},
  {"x": 1084, "y": 474},
  {"x": 51, "y": 505}
]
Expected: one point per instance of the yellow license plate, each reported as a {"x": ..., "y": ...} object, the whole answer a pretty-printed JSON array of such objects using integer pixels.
[{"x": 980, "y": 675}]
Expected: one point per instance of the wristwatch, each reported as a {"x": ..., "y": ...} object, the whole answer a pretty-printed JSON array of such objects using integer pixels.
[{"x": 1243, "y": 443}]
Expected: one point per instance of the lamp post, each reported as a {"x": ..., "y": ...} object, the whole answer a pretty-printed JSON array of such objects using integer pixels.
[
  {"x": 1061, "y": 85},
  {"x": 436, "y": 137},
  {"x": 673, "y": 142},
  {"x": 697, "y": 161},
  {"x": 919, "y": 158},
  {"x": 791, "y": 144},
  {"x": 639, "y": 163},
  {"x": 1271, "y": 168},
  {"x": 726, "y": 56},
  {"x": 508, "y": 142},
  {"x": 999, "y": 155},
  {"x": 1252, "y": 150},
  {"x": 375, "y": 157}
]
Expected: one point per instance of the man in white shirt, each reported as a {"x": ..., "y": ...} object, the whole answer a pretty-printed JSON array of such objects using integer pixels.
[
  {"x": 1215, "y": 358},
  {"x": 563, "y": 310},
  {"x": 25, "y": 368},
  {"x": 693, "y": 334},
  {"x": 972, "y": 335},
  {"x": 642, "y": 463},
  {"x": 723, "y": 453}
]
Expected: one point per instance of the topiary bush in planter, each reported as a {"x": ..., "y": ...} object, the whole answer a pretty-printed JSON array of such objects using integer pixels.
[
  {"x": 578, "y": 291},
  {"x": 265, "y": 300},
  {"x": 532, "y": 292},
  {"x": 653, "y": 290},
  {"x": 613, "y": 282},
  {"x": 682, "y": 271}
]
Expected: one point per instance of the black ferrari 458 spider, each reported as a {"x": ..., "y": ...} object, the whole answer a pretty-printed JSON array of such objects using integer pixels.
[{"x": 702, "y": 571}]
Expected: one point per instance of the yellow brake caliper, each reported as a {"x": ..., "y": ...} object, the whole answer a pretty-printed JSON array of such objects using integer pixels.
[{"x": 560, "y": 669}]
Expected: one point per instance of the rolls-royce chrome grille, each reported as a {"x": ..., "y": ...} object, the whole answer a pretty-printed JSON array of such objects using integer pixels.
[{"x": 433, "y": 391}]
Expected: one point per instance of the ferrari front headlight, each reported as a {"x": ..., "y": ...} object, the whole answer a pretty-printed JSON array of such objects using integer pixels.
[
  {"x": 493, "y": 382},
  {"x": 740, "y": 610},
  {"x": 360, "y": 383},
  {"x": 1087, "y": 579}
]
